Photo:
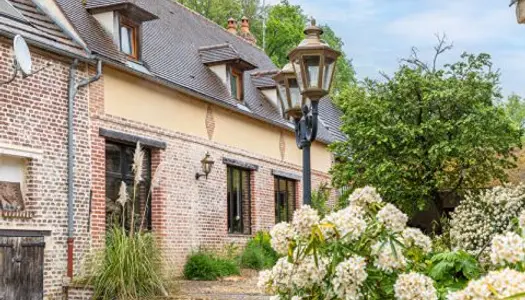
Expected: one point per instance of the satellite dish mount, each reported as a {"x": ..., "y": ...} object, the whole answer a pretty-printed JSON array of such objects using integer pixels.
[{"x": 22, "y": 60}]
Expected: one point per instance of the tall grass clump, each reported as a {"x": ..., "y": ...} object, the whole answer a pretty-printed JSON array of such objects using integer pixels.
[
  {"x": 259, "y": 254},
  {"x": 130, "y": 266}
]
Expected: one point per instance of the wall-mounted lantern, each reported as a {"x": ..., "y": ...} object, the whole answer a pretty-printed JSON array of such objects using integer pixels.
[{"x": 207, "y": 165}]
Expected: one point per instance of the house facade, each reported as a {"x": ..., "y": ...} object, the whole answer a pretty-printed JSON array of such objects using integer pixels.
[{"x": 177, "y": 83}]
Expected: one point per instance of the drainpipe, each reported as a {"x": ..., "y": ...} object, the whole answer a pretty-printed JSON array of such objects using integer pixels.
[{"x": 72, "y": 92}]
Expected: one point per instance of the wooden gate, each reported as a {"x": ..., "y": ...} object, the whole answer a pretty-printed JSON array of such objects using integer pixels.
[{"x": 21, "y": 268}]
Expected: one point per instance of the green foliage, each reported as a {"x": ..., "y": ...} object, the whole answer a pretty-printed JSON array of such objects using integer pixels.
[
  {"x": 515, "y": 109},
  {"x": 424, "y": 131},
  {"x": 207, "y": 266},
  {"x": 320, "y": 200},
  {"x": 128, "y": 268},
  {"x": 453, "y": 270},
  {"x": 259, "y": 253}
]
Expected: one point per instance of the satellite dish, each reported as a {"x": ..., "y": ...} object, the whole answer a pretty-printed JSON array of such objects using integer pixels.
[{"x": 22, "y": 55}]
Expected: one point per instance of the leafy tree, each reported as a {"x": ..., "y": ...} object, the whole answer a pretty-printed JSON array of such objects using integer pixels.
[
  {"x": 345, "y": 74},
  {"x": 425, "y": 132},
  {"x": 515, "y": 109}
]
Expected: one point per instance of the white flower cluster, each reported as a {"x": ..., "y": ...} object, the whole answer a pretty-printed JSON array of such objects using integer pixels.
[
  {"x": 307, "y": 273},
  {"x": 392, "y": 218},
  {"x": 413, "y": 237},
  {"x": 522, "y": 220},
  {"x": 348, "y": 222},
  {"x": 363, "y": 197},
  {"x": 279, "y": 278},
  {"x": 281, "y": 235},
  {"x": 481, "y": 216},
  {"x": 495, "y": 285},
  {"x": 303, "y": 221},
  {"x": 349, "y": 277},
  {"x": 508, "y": 248},
  {"x": 414, "y": 286},
  {"x": 386, "y": 260}
]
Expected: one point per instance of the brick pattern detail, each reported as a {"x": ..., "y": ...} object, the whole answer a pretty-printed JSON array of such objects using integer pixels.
[
  {"x": 33, "y": 113},
  {"x": 210, "y": 122},
  {"x": 79, "y": 293}
]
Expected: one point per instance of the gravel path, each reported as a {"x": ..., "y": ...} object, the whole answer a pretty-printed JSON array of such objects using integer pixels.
[{"x": 230, "y": 288}]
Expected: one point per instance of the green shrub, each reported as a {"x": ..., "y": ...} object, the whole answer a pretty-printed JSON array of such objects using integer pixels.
[
  {"x": 259, "y": 253},
  {"x": 128, "y": 268},
  {"x": 206, "y": 266}
]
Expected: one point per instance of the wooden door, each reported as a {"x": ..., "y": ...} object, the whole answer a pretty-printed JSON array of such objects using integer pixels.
[{"x": 21, "y": 268}]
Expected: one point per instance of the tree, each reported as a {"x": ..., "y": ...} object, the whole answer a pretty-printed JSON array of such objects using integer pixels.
[
  {"x": 515, "y": 109},
  {"x": 345, "y": 73},
  {"x": 426, "y": 132}
]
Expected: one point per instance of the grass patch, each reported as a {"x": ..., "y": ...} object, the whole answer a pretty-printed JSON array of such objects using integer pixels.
[
  {"x": 206, "y": 266},
  {"x": 259, "y": 254}
]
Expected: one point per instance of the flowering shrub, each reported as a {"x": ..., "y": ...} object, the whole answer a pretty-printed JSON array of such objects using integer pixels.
[
  {"x": 507, "y": 250},
  {"x": 481, "y": 216},
  {"x": 354, "y": 253}
]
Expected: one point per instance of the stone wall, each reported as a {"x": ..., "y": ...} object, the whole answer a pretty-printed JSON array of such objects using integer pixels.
[{"x": 33, "y": 114}]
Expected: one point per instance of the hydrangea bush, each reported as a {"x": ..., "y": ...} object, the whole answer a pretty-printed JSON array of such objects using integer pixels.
[
  {"x": 364, "y": 251},
  {"x": 507, "y": 281},
  {"x": 481, "y": 216}
]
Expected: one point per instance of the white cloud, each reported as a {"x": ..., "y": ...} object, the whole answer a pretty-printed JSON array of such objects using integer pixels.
[{"x": 338, "y": 10}]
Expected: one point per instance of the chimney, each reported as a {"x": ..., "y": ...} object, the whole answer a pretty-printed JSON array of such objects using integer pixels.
[
  {"x": 232, "y": 26},
  {"x": 245, "y": 31}
]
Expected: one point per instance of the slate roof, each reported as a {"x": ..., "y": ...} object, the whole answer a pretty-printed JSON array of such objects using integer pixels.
[
  {"x": 37, "y": 28},
  {"x": 222, "y": 53},
  {"x": 170, "y": 51}
]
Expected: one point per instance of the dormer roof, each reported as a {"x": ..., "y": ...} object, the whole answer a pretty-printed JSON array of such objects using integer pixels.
[
  {"x": 125, "y": 7},
  {"x": 225, "y": 54},
  {"x": 264, "y": 79}
]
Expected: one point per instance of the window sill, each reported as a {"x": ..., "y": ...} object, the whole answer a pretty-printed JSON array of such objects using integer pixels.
[{"x": 239, "y": 235}]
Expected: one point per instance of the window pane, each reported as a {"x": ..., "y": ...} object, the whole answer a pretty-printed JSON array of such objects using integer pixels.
[
  {"x": 126, "y": 40},
  {"x": 284, "y": 199},
  {"x": 233, "y": 85},
  {"x": 312, "y": 70},
  {"x": 238, "y": 201},
  {"x": 291, "y": 199},
  {"x": 113, "y": 158}
]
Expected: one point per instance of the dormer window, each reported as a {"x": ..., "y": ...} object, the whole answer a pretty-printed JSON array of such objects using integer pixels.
[
  {"x": 121, "y": 20},
  {"x": 129, "y": 41},
  {"x": 236, "y": 86}
]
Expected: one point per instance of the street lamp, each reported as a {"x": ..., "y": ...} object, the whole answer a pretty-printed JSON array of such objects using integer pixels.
[{"x": 301, "y": 84}]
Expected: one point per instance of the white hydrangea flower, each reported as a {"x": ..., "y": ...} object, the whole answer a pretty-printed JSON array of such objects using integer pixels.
[
  {"x": 296, "y": 298},
  {"x": 306, "y": 273},
  {"x": 265, "y": 282},
  {"x": 495, "y": 285},
  {"x": 483, "y": 215},
  {"x": 349, "y": 277},
  {"x": 414, "y": 286},
  {"x": 363, "y": 197},
  {"x": 522, "y": 220},
  {"x": 507, "y": 248},
  {"x": 276, "y": 297},
  {"x": 303, "y": 221},
  {"x": 413, "y": 237},
  {"x": 281, "y": 234},
  {"x": 386, "y": 260},
  {"x": 282, "y": 274},
  {"x": 348, "y": 222},
  {"x": 392, "y": 218}
]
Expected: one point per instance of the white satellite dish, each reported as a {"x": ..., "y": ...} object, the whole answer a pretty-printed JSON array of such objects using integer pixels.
[{"x": 22, "y": 55}]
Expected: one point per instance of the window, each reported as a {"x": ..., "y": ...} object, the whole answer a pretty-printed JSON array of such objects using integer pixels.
[
  {"x": 129, "y": 38},
  {"x": 119, "y": 162},
  {"x": 239, "y": 206},
  {"x": 284, "y": 199},
  {"x": 236, "y": 86}
]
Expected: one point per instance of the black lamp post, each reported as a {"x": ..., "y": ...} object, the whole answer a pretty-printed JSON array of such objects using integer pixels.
[{"x": 301, "y": 85}]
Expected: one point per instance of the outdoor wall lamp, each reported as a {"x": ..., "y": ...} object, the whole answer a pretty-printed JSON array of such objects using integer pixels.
[
  {"x": 207, "y": 166},
  {"x": 301, "y": 84}
]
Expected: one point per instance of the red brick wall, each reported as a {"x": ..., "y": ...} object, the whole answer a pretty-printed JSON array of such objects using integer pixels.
[{"x": 33, "y": 113}]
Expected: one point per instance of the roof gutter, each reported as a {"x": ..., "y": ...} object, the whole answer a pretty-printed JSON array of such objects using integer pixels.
[{"x": 198, "y": 95}]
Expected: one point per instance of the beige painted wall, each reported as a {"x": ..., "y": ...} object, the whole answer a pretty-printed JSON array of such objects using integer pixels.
[{"x": 136, "y": 99}]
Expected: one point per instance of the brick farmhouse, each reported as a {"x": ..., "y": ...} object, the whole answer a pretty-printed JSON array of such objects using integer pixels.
[{"x": 148, "y": 71}]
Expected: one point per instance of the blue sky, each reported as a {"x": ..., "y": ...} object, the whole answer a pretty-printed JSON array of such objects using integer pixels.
[{"x": 378, "y": 33}]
